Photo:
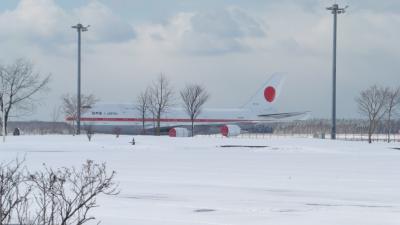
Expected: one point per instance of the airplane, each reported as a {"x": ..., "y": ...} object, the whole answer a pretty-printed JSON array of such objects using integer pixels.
[{"x": 126, "y": 119}]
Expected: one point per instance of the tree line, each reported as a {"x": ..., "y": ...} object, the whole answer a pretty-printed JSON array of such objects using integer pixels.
[
  {"x": 157, "y": 98},
  {"x": 348, "y": 129}
]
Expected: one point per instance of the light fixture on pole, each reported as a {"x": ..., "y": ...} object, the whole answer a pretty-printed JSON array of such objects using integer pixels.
[
  {"x": 335, "y": 11},
  {"x": 80, "y": 28}
]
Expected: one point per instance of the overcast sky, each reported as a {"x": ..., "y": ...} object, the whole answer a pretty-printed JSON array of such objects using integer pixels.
[{"x": 231, "y": 47}]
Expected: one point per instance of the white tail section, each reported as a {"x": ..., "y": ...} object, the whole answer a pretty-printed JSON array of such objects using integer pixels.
[{"x": 266, "y": 96}]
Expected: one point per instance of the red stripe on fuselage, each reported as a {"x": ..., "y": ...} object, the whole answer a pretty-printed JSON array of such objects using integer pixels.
[{"x": 161, "y": 120}]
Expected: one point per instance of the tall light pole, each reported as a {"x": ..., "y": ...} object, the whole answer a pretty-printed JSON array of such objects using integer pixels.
[
  {"x": 80, "y": 28},
  {"x": 3, "y": 122},
  {"x": 3, "y": 113},
  {"x": 335, "y": 11}
]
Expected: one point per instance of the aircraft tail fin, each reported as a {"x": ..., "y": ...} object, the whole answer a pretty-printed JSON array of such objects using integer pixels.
[{"x": 267, "y": 95}]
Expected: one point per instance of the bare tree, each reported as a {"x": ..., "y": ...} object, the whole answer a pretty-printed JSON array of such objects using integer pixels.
[
  {"x": 371, "y": 103},
  {"x": 20, "y": 83},
  {"x": 23, "y": 213},
  {"x": 153, "y": 111},
  {"x": 65, "y": 196},
  {"x": 47, "y": 184},
  {"x": 70, "y": 106},
  {"x": 143, "y": 104},
  {"x": 161, "y": 95},
  {"x": 194, "y": 96},
  {"x": 79, "y": 189},
  {"x": 392, "y": 105},
  {"x": 13, "y": 189}
]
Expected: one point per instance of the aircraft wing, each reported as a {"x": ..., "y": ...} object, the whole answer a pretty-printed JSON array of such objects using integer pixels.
[{"x": 285, "y": 116}]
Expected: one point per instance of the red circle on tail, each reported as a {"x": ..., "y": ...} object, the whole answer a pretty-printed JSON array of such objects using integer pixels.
[{"x": 269, "y": 94}]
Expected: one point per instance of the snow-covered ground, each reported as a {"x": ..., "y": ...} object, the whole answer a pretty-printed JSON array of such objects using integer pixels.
[{"x": 184, "y": 181}]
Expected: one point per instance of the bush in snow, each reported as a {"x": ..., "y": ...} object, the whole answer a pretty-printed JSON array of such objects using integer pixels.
[{"x": 62, "y": 196}]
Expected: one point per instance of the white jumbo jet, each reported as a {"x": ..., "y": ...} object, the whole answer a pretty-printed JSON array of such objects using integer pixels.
[{"x": 126, "y": 119}]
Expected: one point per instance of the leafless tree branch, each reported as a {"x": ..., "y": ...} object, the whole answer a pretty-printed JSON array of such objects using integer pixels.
[
  {"x": 70, "y": 105},
  {"x": 20, "y": 83},
  {"x": 193, "y": 96},
  {"x": 161, "y": 96},
  {"x": 371, "y": 103}
]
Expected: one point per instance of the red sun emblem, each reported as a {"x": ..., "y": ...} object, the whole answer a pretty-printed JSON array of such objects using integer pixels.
[{"x": 269, "y": 94}]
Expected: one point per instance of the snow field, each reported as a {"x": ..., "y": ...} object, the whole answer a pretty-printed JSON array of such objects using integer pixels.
[{"x": 183, "y": 181}]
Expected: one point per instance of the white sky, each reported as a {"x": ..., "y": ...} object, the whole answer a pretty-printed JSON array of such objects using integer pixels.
[{"x": 231, "y": 47}]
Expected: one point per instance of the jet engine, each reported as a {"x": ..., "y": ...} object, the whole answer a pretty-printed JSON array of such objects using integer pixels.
[
  {"x": 178, "y": 132},
  {"x": 230, "y": 130}
]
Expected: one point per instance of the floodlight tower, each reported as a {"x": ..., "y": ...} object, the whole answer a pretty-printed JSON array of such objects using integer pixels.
[
  {"x": 3, "y": 122},
  {"x": 80, "y": 28},
  {"x": 3, "y": 113},
  {"x": 335, "y": 11}
]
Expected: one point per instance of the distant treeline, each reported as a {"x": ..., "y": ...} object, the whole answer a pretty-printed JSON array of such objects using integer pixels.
[
  {"x": 309, "y": 127},
  {"x": 40, "y": 127},
  {"x": 323, "y": 126}
]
